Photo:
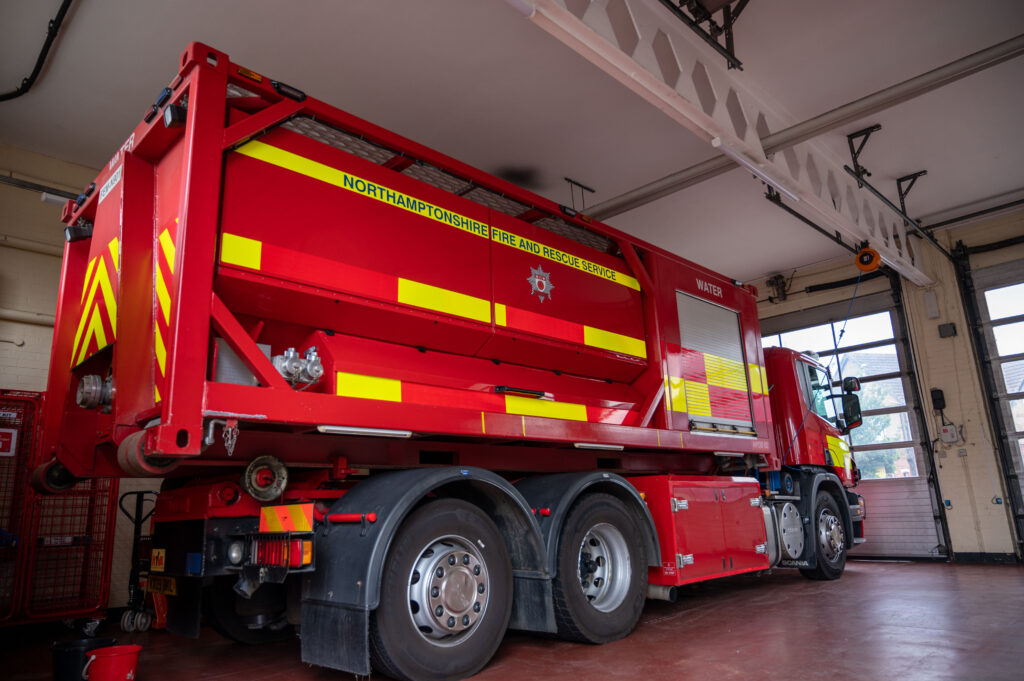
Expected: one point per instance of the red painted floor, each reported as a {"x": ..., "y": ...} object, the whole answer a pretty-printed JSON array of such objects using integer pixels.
[{"x": 880, "y": 621}]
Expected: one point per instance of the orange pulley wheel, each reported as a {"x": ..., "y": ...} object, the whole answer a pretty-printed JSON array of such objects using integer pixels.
[{"x": 868, "y": 260}]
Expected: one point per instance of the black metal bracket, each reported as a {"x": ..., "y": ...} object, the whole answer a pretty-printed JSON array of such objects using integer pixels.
[
  {"x": 772, "y": 195},
  {"x": 693, "y": 13},
  {"x": 864, "y": 184},
  {"x": 573, "y": 184},
  {"x": 860, "y": 172},
  {"x": 909, "y": 180}
]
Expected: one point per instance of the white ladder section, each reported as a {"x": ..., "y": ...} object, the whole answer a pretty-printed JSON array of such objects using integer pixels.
[{"x": 641, "y": 45}]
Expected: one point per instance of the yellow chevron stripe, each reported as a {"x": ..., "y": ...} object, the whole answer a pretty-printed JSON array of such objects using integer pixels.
[
  {"x": 115, "y": 253},
  {"x": 161, "y": 352},
  {"x": 95, "y": 328},
  {"x": 163, "y": 297},
  {"x": 167, "y": 246},
  {"x": 83, "y": 320},
  {"x": 271, "y": 523},
  {"x": 88, "y": 273},
  {"x": 300, "y": 521},
  {"x": 108, "y": 296}
]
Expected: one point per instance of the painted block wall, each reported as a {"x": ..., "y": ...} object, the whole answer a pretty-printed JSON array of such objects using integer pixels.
[
  {"x": 28, "y": 284},
  {"x": 969, "y": 482}
]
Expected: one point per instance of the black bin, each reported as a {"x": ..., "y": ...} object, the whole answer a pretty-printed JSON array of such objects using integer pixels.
[{"x": 69, "y": 657}]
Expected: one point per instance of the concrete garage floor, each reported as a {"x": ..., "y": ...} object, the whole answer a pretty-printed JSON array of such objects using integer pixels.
[{"x": 880, "y": 621}]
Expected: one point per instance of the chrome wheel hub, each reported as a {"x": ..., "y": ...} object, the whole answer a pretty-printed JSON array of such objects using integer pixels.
[
  {"x": 830, "y": 535},
  {"x": 605, "y": 569},
  {"x": 448, "y": 590}
]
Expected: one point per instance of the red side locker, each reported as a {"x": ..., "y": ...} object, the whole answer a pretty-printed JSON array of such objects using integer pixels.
[
  {"x": 707, "y": 526},
  {"x": 743, "y": 526}
]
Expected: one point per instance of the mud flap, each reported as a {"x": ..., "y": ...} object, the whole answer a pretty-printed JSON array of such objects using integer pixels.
[{"x": 336, "y": 636}]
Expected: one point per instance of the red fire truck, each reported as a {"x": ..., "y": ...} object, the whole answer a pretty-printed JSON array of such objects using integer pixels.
[{"x": 402, "y": 405}]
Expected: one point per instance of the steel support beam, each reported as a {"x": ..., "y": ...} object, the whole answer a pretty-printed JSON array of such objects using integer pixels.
[{"x": 641, "y": 45}]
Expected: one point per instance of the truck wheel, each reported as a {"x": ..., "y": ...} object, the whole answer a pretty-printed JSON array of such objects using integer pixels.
[
  {"x": 829, "y": 539},
  {"x": 445, "y": 596},
  {"x": 601, "y": 584},
  {"x": 223, "y": 615}
]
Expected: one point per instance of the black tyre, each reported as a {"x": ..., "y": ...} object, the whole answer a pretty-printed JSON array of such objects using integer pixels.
[
  {"x": 601, "y": 585},
  {"x": 446, "y": 595},
  {"x": 829, "y": 539},
  {"x": 230, "y": 615}
]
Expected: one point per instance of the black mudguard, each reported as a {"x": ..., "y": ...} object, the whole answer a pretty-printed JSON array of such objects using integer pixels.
[
  {"x": 338, "y": 597},
  {"x": 559, "y": 492}
]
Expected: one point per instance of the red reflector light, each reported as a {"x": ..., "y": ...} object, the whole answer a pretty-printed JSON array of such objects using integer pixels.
[{"x": 282, "y": 552}]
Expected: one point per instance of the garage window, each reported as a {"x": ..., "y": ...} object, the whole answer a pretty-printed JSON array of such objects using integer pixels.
[
  {"x": 1004, "y": 320},
  {"x": 865, "y": 346}
]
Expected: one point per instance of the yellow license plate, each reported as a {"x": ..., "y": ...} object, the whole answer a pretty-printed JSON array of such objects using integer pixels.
[{"x": 158, "y": 584}]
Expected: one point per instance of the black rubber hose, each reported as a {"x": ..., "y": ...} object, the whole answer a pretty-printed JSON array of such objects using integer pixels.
[{"x": 51, "y": 35}]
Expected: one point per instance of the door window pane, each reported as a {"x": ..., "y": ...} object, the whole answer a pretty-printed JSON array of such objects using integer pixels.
[
  {"x": 1007, "y": 301},
  {"x": 867, "y": 329},
  {"x": 1013, "y": 376},
  {"x": 815, "y": 339},
  {"x": 1009, "y": 338},
  {"x": 1017, "y": 409},
  {"x": 882, "y": 428},
  {"x": 882, "y": 394},
  {"x": 873, "y": 362},
  {"x": 821, "y": 394},
  {"x": 886, "y": 463}
]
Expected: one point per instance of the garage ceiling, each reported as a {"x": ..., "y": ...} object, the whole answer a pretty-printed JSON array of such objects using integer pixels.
[{"x": 474, "y": 79}]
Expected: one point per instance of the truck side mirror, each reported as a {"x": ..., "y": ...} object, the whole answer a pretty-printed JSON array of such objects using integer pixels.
[
  {"x": 851, "y": 384},
  {"x": 851, "y": 410}
]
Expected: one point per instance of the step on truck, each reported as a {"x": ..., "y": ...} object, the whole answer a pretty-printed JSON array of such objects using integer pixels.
[{"x": 401, "y": 406}]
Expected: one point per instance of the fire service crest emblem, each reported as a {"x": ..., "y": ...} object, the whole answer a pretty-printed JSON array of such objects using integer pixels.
[{"x": 540, "y": 282}]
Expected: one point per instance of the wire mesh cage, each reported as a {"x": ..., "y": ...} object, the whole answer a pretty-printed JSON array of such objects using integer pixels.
[{"x": 54, "y": 548}]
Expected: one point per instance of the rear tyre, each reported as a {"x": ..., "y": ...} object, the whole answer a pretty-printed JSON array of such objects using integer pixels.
[
  {"x": 446, "y": 595},
  {"x": 829, "y": 539},
  {"x": 231, "y": 616},
  {"x": 601, "y": 584}
]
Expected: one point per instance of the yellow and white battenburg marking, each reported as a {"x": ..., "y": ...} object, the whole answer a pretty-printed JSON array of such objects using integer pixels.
[
  {"x": 98, "y": 278},
  {"x": 339, "y": 178},
  {"x": 693, "y": 397}
]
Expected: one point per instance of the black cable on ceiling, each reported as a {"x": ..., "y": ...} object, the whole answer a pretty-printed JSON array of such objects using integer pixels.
[{"x": 51, "y": 34}]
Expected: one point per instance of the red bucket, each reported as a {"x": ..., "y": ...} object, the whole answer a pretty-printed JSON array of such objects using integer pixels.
[{"x": 116, "y": 663}]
